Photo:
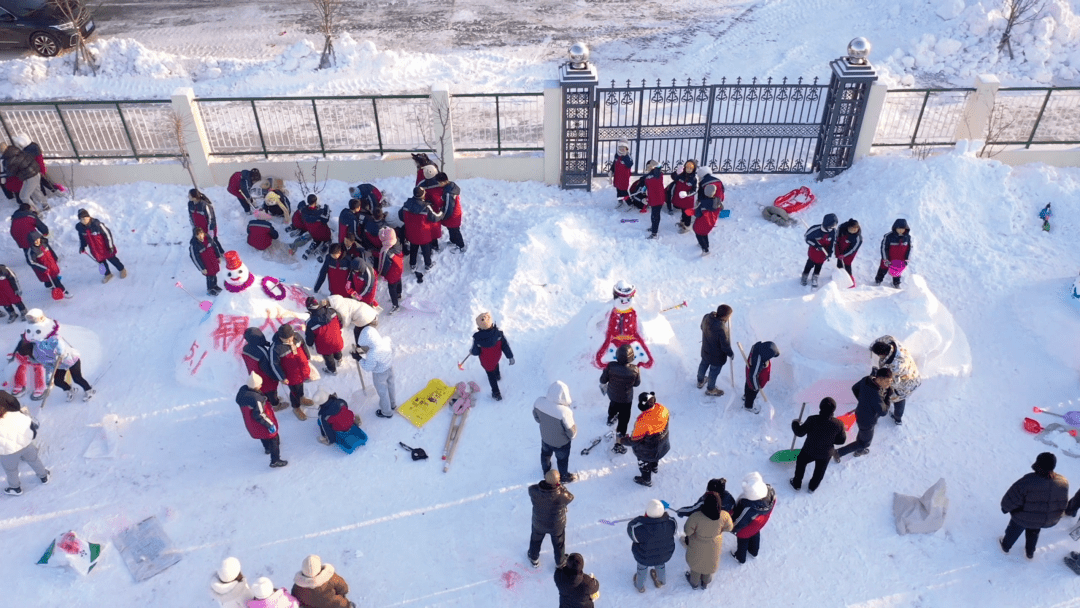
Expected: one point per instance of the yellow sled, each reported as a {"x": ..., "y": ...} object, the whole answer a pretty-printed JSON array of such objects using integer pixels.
[{"x": 423, "y": 406}]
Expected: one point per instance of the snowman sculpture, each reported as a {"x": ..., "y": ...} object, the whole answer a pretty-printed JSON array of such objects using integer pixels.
[
  {"x": 622, "y": 328},
  {"x": 238, "y": 278}
]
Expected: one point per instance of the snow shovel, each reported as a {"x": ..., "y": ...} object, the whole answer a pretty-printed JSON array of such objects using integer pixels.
[
  {"x": 1072, "y": 418},
  {"x": 1032, "y": 426},
  {"x": 205, "y": 305},
  {"x": 789, "y": 455},
  {"x": 848, "y": 420},
  {"x": 896, "y": 268},
  {"x": 416, "y": 453},
  {"x": 679, "y": 305},
  {"x": 461, "y": 366}
]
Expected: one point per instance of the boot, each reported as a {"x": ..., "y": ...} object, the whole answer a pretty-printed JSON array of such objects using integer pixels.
[
  {"x": 803, "y": 281},
  {"x": 306, "y": 401},
  {"x": 106, "y": 278},
  {"x": 88, "y": 395},
  {"x": 814, "y": 281},
  {"x": 714, "y": 392},
  {"x": 12, "y": 316},
  {"x": 123, "y": 273},
  {"x": 300, "y": 415}
]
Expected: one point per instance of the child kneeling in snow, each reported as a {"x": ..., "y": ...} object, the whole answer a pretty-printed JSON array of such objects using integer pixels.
[{"x": 334, "y": 417}]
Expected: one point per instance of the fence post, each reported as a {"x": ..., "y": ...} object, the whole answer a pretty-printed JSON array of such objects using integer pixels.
[
  {"x": 553, "y": 111},
  {"x": 849, "y": 90},
  {"x": 875, "y": 104},
  {"x": 975, "y": 118},
  {"x": 442, "y": 127},
  {"x": 578, "y": 80},
  {"x": 195, "y": 143}
]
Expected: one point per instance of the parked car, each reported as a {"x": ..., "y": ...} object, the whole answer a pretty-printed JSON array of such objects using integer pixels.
[{"x": 41, "y": 27}]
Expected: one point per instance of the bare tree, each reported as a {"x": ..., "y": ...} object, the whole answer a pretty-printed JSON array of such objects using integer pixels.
[
  {"x": 76, "y": 13},
  {"x": 327, "y": 12},
  {"x": 437, "y": 143},
  {"x": 178, "y": 126},
  {"x": 315, "y": 187},
  {"x": 1018, "y": 12},
  {"x": 1001, "y": 122}
]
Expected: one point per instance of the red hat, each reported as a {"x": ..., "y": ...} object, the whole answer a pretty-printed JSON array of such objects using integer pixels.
[{"x": 232, "y": 260}]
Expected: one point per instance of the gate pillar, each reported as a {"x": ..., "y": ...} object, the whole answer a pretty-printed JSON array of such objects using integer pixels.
[
  {"x": 578, "y": 80},
  {"x": 849, "y": 88}
]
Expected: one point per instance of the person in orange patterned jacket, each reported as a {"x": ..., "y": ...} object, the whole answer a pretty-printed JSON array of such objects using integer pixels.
[{"x": 650, "y": 437}]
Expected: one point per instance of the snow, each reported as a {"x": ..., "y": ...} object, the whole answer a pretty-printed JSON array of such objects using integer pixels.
[{"x": 985, "y": 309}]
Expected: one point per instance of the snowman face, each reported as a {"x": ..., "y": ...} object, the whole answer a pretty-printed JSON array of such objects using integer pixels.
[
  {"x": 36, "y": 332},
  {"x": 237, "y": 276},
  {"x": 624, "y": 303}
]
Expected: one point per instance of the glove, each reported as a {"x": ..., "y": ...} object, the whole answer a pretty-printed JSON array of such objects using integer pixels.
[
  {"x": 272, "y": 429},
  {"x": 356, "y": 355},
  {"x": 603, "y": 387},
  {"x": 511, "y": 360}
]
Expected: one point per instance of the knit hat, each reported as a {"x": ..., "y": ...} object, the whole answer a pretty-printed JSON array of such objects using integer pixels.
[
  {"x": 228, "y": 570},
  {"x": 483, "y": 320},
  {"x": 552, "y": 477},
  {"x": 623, "y": 144},
  {"x": 827, "y": 407},
  {"x": 387, "y": 236},
  {"x": 83, "y": 213},
  {"x": 311, "y": 303},
  {"x": 254, "y": 382},
  {"x": 1044, "y": 463},
  {"x": 321, "y": 397},
  {"x": 646, "y": 401},
  {"x": 262, "y": 588},
  {"x": 312, "y": 566},
  {"x": 654, "y": 509},
  {"x": 21, "y": 140},
  {"x": 430, "y": 171},
  {"x": 754, "y": 487}
]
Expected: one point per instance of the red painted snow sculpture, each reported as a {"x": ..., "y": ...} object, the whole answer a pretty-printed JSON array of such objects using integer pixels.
[{"x": 622, "y": 328}]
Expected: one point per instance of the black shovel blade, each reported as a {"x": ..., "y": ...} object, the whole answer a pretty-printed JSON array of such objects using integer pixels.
[{"x": 416, "y": 453}]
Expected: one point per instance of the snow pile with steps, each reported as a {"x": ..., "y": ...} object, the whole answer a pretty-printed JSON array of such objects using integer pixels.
[{"x": 542, "y": 261}]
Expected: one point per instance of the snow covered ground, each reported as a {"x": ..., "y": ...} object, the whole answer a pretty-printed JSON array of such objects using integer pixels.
[
  {"x": 270, "y": 48},
  {"x": 985, "y": 283}
]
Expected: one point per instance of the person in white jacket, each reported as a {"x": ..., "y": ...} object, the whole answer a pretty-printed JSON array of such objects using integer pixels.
[
  {"x": 557, "y": 429},
  {"x": 354, "y": 312},
  {"x": 228, "y": 585},
  {"x": 378, "y": 358},
  {"x": 17, "y": 433}
]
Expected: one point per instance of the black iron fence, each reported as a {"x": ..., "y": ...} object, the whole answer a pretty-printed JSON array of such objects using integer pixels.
[{"x": 751, "y": 127}]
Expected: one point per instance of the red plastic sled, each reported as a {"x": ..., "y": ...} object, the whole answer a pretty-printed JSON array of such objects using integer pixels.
[{"x": 796, "y": 200}]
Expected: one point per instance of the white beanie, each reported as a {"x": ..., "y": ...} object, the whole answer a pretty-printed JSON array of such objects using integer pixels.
[
  {"x": 430, "y": 171},
  {"x": 655, "y": 508},
  {"x": 262, "y": 588},
  {"x": 21, "y": 140},
  {"x": 312, "y": 566},
  {"x": 254, "y": 381},
  {"x": 754, "y": 487},
  {"x": 320, "y": 398},
  {"x": 229, "y": 570}
]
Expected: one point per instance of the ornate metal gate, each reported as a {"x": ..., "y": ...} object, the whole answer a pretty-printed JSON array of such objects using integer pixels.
[{"x": 755, "y": 127}]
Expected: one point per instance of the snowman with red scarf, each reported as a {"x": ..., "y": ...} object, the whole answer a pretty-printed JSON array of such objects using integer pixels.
[{"x": 622, "y": 328}]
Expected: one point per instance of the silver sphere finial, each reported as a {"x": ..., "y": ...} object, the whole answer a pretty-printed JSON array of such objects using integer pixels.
[
  {"x": 858, "y": 50},
  {"x": 579, "y": 56}
]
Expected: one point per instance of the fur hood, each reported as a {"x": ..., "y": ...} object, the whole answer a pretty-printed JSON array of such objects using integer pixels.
[{"x": 312, "y": 582}]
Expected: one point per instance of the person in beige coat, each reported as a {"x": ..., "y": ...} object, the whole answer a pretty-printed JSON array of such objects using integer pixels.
[
  {"x": 704, "y": 530},
  {"x": 228, "y": 585}
]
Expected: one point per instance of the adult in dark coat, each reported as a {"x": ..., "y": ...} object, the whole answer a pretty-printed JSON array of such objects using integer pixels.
[
  {"x": 576, "y": 589},
  {"x": 822, "y": 431},
  {"x": 1037, "y": 500},
  {"x": 653, "y": 536},
  {"x": 715, "y": 347},
  {"x": 873, "y": 393},
  {"x": 617, "y": 381},
  {"x": 549, "y": 501},
  {"x": 259, "y": 419}
]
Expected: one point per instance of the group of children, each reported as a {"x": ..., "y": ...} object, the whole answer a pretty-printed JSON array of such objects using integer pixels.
[
  {"x": 827, "y": 240},
  {"x": 694, "y": 191},
  {"x": 316, "y": 585}
]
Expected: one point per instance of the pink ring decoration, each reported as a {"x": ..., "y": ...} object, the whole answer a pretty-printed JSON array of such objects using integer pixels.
[{"x": 273, "y": 288}]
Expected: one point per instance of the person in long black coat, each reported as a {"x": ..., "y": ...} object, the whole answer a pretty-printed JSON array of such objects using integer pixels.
[
  {"x": 1037, "y": 500},
  {"x": 873, "y": 393},
  {"x": 715, "y": 348},
  {"x": 549, "y": 500},
  {"x": 822, "y": 431},
  {"x": 576, "y": 589}
]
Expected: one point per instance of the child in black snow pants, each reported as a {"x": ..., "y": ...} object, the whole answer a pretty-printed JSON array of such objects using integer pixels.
[{"x": 489, "y": 345}]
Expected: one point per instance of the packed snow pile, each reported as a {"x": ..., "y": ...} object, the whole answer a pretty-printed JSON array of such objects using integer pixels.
[{"x": 828, "y": 333}]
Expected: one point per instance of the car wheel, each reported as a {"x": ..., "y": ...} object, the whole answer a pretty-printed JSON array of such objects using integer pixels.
[{"x": 44, "y": 44}]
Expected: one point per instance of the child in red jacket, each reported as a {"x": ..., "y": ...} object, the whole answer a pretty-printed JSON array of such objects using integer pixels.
[
  {"x": 489, "y": 345},
  {"x": 391, "y": 265}
]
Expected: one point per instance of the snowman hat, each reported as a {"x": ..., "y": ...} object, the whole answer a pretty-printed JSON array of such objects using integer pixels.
[{"x": 232, "y": 260}]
